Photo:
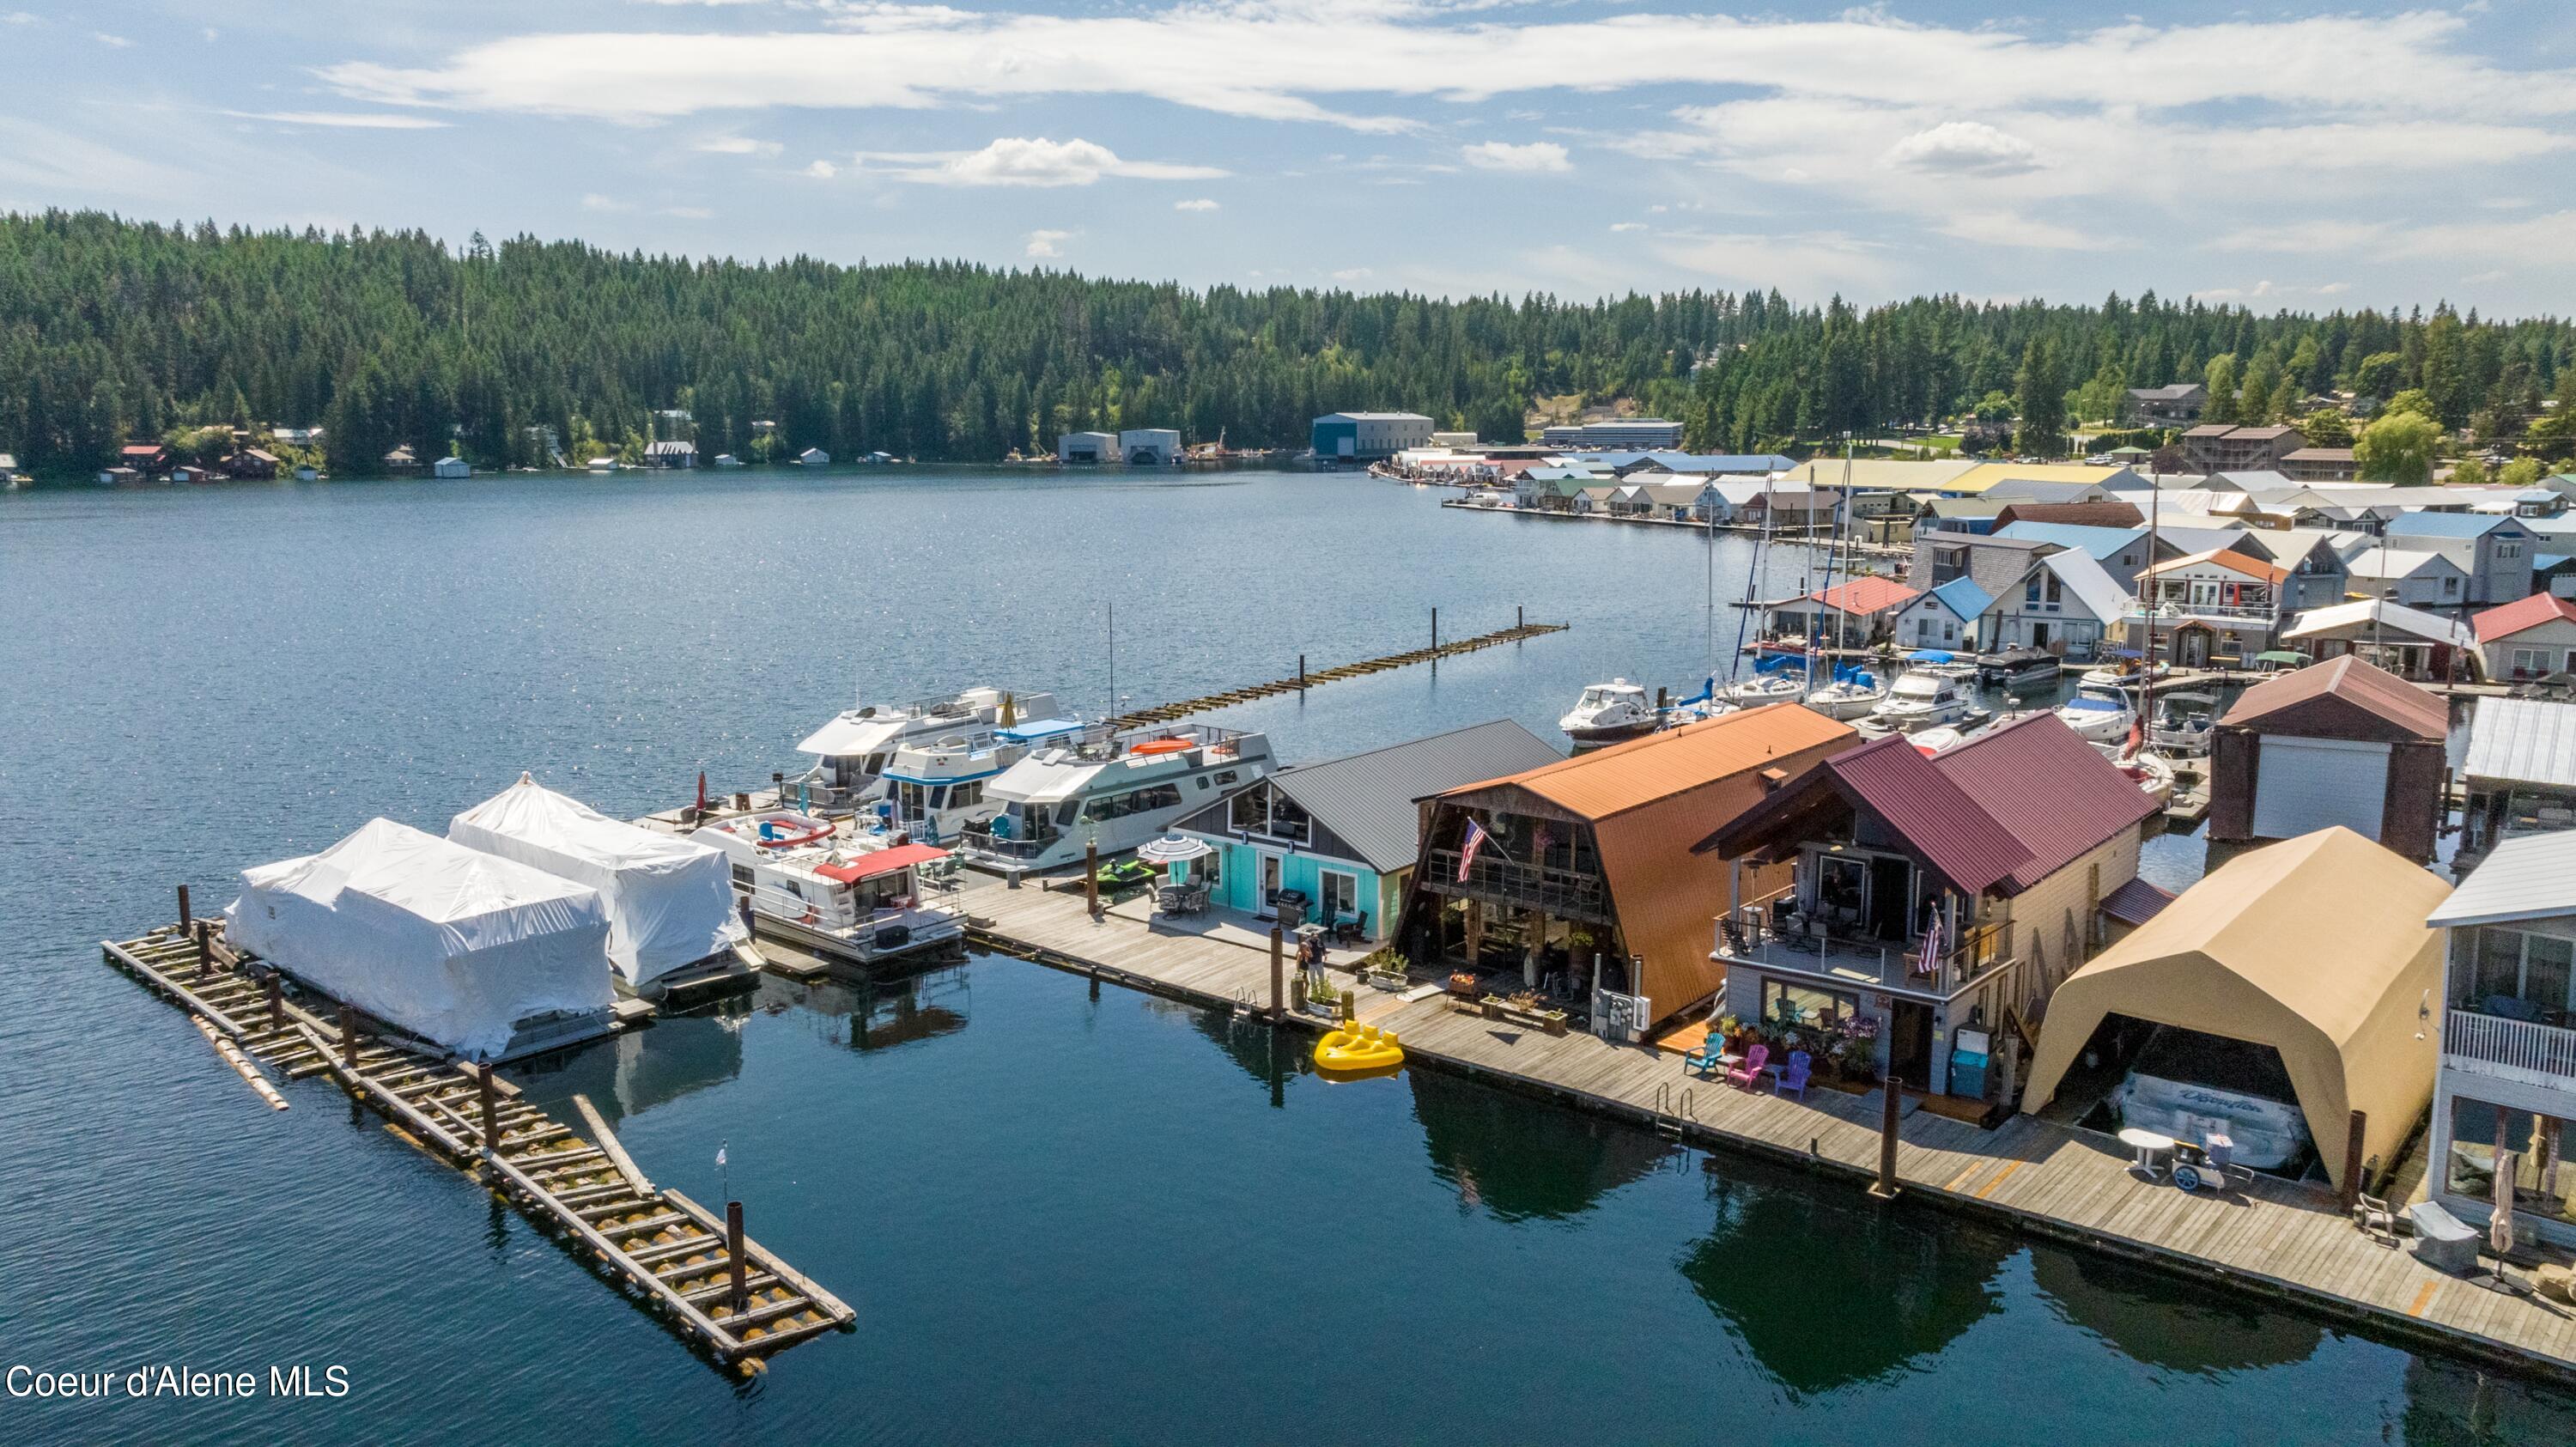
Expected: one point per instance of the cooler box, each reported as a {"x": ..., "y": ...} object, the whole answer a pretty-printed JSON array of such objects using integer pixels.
[{"x": 1968, "y": 1060}]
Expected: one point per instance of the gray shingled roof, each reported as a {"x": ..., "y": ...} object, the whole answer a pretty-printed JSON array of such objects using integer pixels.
[{"x": 1367, "y": 798}]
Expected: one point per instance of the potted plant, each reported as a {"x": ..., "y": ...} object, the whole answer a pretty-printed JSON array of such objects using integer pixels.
[{"x": 1385, "y": 970}]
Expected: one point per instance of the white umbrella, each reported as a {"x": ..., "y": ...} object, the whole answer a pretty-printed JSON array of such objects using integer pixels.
[
  {"x": 2500, "y": 1226},
  {"x": 1172, "y": 849}
]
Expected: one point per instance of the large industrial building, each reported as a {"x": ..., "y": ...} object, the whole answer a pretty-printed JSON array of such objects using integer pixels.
[
  {"x": 1641, "y": 434},
  {"x": 1368, "y": 436}
]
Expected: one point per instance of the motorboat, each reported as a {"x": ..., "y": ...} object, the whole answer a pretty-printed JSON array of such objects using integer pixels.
[
  {"x": 1770, "y": 685},
  {"x": 853, "y": 751},
  {"x": 1110, "y": 788},
  {"x": 2183, "y": 724},
  {"x": 1854, "y": 693},
  {"x": 2098, "y": 718},
  {"x": 1945, "y": 665},
  {"x": 1931, "y": 741},
  {"x": 2122, "y": 677},
  {"x": 1609, "y": 711},
  {"x": 858, "y": 898},
  {"x": 2016, "y": 665},
  {"x": 1920, "y": 700},
  {"x": 2149, "y": 772},
  {"x": 1700, "y": 707}
]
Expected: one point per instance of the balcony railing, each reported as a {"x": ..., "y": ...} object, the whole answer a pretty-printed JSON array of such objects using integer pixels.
[
  {"x": 1564, "y": 893},
  {"x": 1856, "y": 957},
  {"x": 2514, "y": 1049},
  {"x": 2230, "y": 611}
]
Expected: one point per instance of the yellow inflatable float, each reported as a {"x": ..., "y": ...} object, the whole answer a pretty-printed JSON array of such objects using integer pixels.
[{"x": 1358, "y": 1047}]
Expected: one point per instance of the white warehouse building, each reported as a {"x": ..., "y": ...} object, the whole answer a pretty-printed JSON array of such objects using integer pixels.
[
  {"x": 1368, "y": 436},
  {"x": 1087, "y": 447},
  {"x": 1150, "y": 446}
]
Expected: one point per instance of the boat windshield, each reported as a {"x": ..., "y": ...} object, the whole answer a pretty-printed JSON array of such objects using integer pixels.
[{"x": 1918, "y": 685}]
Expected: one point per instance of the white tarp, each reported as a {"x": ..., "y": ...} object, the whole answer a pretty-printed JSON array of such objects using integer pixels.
[
  {"x": 454, "y": 945},
  {"x": 670, "y": 900}
]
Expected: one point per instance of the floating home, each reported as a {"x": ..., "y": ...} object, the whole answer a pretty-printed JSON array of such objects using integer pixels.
[
  {"x": 2519, "y": 772},
  {"x": 1929, "y": 896},
  {"x": 2334, "y": 743},
  {"x": 1588, "y": 859},
  {"x": 1338, "y": 840}
]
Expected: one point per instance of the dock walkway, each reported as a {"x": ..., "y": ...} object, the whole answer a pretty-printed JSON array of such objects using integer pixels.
[
  {"x": 710, "y": 1282},
  {"x": 1166, "y": 712},
  {"x": 2277, "y": 1238}
]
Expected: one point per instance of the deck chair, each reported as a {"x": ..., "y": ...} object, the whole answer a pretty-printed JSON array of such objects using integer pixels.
[
  {"x": 1751, "y": 1070},
  {"x": 1703, "y": 1061},
  {"x": 2372, "y": 1217},
  {"x": 1793, "y": 1081}
]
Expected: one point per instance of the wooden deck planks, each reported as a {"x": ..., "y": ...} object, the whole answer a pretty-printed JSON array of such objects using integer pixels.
[{"x": 2057, "y": 1180}]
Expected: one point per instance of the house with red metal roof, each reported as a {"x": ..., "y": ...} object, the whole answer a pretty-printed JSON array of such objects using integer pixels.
[
  {"x": 1935, "y": 900},
  {"x": 1852, "y": 614},
  {"x": 2527, "y": 639},
  {"x": 2339, "y": 742}
]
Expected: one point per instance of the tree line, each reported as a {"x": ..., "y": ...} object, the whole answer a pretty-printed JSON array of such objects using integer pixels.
[{"x": 114, "y": 330}]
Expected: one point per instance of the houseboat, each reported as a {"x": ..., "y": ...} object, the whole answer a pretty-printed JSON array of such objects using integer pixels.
[
  {"x": 1113, "y": 789},
  {"x": 853, "y": 898},
  {"x": 2016, "y": 666},
  {"x": 853, "y": 751}
]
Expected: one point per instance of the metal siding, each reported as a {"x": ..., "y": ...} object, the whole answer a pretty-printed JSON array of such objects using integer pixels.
[
  {"x": 2374, "y": 691},
  {"x": 1366, "y": 800},
  {"x": 1928, "y": 810},
  {"x": 2523, "y": 741},
  {"x": 1625, "y": 776},
  {"x": 2049, "y": 789},
  {"x": 2304, "y": 785}
]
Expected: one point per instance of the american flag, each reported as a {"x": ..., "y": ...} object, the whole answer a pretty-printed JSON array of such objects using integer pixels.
[
  {"x": 1467, "y": 855},
  {"x": 1540, "y": 840},
  {"x": 1929, "y": 962}
]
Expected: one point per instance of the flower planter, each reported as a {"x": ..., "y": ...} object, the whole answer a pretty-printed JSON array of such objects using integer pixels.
[{"x": 1392, "y": 981}]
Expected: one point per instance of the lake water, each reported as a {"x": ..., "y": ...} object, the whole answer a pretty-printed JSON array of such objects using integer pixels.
[{"x": 1059, "y": 1217}]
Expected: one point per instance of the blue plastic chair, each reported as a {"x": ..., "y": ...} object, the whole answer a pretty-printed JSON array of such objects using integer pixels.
[{"x": 1793, "y": 1080}]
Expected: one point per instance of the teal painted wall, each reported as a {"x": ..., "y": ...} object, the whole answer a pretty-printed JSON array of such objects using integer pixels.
[{"x": 1239, "y": 880}]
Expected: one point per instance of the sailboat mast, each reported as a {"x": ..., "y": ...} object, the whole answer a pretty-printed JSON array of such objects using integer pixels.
[{"x": 1112, "y": 715}]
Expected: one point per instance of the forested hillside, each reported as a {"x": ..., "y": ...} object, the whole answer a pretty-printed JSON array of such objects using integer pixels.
[{"x": 113, "y": 330}]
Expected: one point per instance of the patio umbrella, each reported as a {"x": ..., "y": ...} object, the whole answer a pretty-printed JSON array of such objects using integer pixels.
[
  {"x": 2500, "y": 1226},
  {"x": 1172, "y": 849},
  {"x": 2281, "y": 655}
]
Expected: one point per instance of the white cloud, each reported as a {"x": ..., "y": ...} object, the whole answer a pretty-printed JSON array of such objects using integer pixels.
[
  {"x": 822, "y": 170},
  {"x": 1016, "y": 161},
  {"x": 112, "y": 42},
  {"x": 1627, "y": 225},
  {"x": 17, "y": 17},
  {"x": 1504, "y": 156},
  {"x": 593, "y": 201},
  {"x": 1048, "y": 243},
  {"x": 737, "y": 146},
  {"x": 1353, "y": 273},
  {"x": 1965, "y": 148},
  {"x": 2004, "y": 228},
  {"x": 1812, "y": 263},
  {"x": 690, "y": 213},
  {"x": 1200, "y": 203},
  {"x": 346, "y": 120}
]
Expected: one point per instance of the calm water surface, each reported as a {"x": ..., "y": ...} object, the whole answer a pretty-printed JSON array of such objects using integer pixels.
[{"x": 1060, "y": 1218}]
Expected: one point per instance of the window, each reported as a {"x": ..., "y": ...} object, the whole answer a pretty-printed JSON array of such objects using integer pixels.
[
  {"x": 1787, "y": 1005},
  {"x": 2507, "y": 552},
  {"x": 2530, "y": 662},
  {"x": 2541, "y": 1186},
  {"x": 2511, "y": 969},
  {"x": 2450, "y": 586},
  {"x": 1341, "y": 894}
]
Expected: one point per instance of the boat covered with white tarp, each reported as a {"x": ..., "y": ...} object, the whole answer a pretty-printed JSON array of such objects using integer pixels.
[
  {"x": 476, "y": 953},
  {"x": 669, "y": 900}
]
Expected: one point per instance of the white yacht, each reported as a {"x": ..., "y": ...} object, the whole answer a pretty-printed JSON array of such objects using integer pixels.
[
  {"x": 934, "y": 788},
  {"x": 858, "y": 898},
  {"x": 1784, "y": 685},
  {"x": 1114, "y": 789},
  {"x": 2098, "y": 716},
  {"x": 1919, "y": 700},
  {"x": 2122, "y": 677},
  {"x": 1609, "y": 711},
  {"x": 854, "y": 749},
  {"x": 2183, "y": 724},
  {"x": 1856, "y": 694}
]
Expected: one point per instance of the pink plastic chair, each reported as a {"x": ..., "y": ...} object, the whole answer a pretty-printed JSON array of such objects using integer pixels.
[{"x": 1751, "y": 1070}]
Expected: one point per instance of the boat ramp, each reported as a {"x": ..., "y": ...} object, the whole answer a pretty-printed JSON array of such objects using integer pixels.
[
  {"x": 712, "y": 1284},
  {"x": 2292, "y": 1243}
]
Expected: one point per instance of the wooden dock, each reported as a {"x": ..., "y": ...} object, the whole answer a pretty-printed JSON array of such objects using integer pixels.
[
  {"x": 2276, "y": 1238},
  {"x": 1167, "y": 712},
  {"x": 711, "y": 1283}
]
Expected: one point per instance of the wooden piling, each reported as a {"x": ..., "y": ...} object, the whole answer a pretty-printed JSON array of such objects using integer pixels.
[
  {"x": 348, "y": 1036},
  {"x": 275, "y": 989},
  {"x": 490, "y": 1102},
  {"x": 187, "y": 916},
  {"x": 205, "y": 948},
  {"x": 2352, "y": 1147},
  {"x": 1278, "y": 973},
  {"x": 735, "y": 1264},
  {"x": 1091, "y": 877},
  {"x": 1890, "y": 1114}
]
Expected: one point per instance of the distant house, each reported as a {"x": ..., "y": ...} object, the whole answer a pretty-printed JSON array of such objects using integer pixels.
[
  {"x": 2336, "y": 743},
  {"x": 1927, "y": 894},
  {"x": 670, "y": 453},
  {"x": 2528, "y": 638},
  {"x": 2101, "y": 513},
  {"x": 2416, "y": 579},
  {"x": 1945, "y": 618},
  {"x": 145, "y": 458},
  {"x": 1791, "y": 508},
  {"x": 2319, "y": 464},
  {"x": 1366, "y": 436},
  {"x": 2217, "y": 448},
  {"x": 400, "y": 460},
  {"x": 1996, "y": 563},
  {"x": 2067, "y": 603},
  {"x": 2495, "y": 550},
  {"x": 2408, "y": 642},
  {"x": 2122, "y": 551},
  {"x": 252, "y": 462},
  {"x": 2519, "y": 772},
  {"x": 2181, "y": 402},
  {"x": 1343, "y": 835},
  {"x": 451, "y": 467},
  {"x": 2207, "y": 606},
  {"x": 1847, "y": 615},
  {"x": 1972, "y": 515},
  {"x": 2047, "y": 490},
  {"x": 814, "y": 457},
  {"x": 114, "y": 476}
]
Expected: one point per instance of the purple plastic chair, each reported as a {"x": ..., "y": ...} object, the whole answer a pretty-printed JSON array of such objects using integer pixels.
[
  {"x": 1751, "y": 1070},
  {"x": 1793, "y": 1081}
]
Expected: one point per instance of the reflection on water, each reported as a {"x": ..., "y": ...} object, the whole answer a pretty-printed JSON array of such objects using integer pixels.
[
  {"x": 638, "y": 1069},
  {"x": 1827, "y": 1288},
  {"x": 2160, "y": 1322},
  {"x": 886, "y": 1011},
  {"x": 1261, "y": 1050},
  {"x": 1518, "y": 1157}
]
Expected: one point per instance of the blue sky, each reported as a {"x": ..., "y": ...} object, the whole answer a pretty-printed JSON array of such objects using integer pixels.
[{"x": 2277, "y": 156}]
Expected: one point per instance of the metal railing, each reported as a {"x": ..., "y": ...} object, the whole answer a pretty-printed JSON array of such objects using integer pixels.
[
  {"x": 1815, "y": 949},
  {"x": 2172, "y": 609},
  {"x": 1557, "y": 891},
  {"x": 2494, "y": 1044}
]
